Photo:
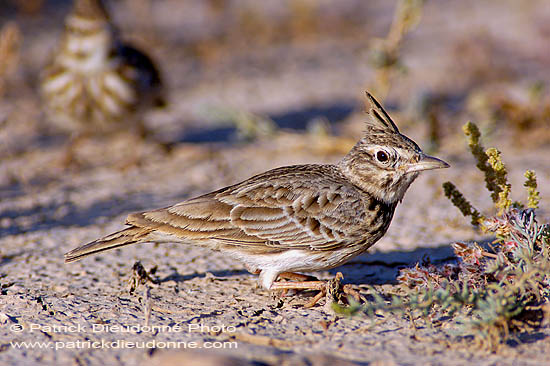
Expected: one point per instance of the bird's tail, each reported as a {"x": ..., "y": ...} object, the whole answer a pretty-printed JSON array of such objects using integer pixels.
[{"x": 121, "y": 238}]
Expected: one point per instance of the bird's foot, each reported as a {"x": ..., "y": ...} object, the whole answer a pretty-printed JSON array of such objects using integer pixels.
[{"x": 332, "y": 289}]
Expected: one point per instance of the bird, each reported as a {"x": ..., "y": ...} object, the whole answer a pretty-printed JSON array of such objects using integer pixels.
[
  {"x": 293, "y": 219},
  {"x": 95, "y": 83}
]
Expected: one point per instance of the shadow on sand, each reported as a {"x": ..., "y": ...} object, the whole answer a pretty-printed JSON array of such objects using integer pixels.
[
  {"x": 371, "y": 269},
  {"x": 296, "y": 120}
]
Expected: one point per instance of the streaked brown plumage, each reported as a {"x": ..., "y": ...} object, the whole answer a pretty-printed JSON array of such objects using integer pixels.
[
  {"x": 295, "y": 218},
  {"x": 95, "y": 83}
]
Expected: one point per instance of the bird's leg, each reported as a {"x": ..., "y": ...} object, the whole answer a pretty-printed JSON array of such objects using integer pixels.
[
  {"x": 303, "y": 285},
  {"x": 315, "y": 299},
  {"x": 296, "y": 277},
  {"x": 69, "y": 157},
  {"x": 145, "y": 134},
  {"x": 332, "y": 287}
]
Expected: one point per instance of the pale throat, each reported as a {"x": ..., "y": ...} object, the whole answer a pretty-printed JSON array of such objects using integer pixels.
[{"x": 385, "y": 185}]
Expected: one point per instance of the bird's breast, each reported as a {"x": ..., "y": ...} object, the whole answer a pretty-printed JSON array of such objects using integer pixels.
[{"x": 376, "y": 220}]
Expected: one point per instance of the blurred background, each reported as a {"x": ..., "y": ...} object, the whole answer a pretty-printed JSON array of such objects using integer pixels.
[
  {"x": 256, "y": 84},
  {"x": 438, "y": 63}
]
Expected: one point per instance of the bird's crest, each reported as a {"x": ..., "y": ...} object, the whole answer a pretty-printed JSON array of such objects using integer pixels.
[
  {"x": 378, "y": 117},
  {"x": 90, "y": 9}
]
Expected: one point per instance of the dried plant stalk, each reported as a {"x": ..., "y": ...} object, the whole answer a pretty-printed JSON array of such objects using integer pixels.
[
  {"x": 10, "y": 40},
  {"x": 384, "y": 53}
]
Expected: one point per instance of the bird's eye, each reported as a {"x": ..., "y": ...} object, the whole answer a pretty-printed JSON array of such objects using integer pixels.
[{"x": 382, "y": 156}]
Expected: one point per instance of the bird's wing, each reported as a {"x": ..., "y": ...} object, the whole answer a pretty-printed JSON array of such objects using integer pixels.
[
  {"x": 307, "y": 213},
  {"x": 295, "y": 215}
]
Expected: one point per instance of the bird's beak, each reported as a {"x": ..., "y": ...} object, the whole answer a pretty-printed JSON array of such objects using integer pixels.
[{"x": 427, "y": 163}]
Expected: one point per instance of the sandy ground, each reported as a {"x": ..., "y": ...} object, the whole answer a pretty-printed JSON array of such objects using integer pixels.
[{"x": 204, "y": 299}]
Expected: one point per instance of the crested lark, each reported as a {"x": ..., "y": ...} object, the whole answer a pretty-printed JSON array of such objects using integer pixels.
[
  {"x": 94, "y": 82},
  {"x": 297, "y": 218}
]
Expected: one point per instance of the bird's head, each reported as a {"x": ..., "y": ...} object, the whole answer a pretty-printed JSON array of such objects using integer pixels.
[
  {"x": 87, "y": 39},
  {"x": 90, "y": 9},
  {"x": 385, "y": 162}
]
